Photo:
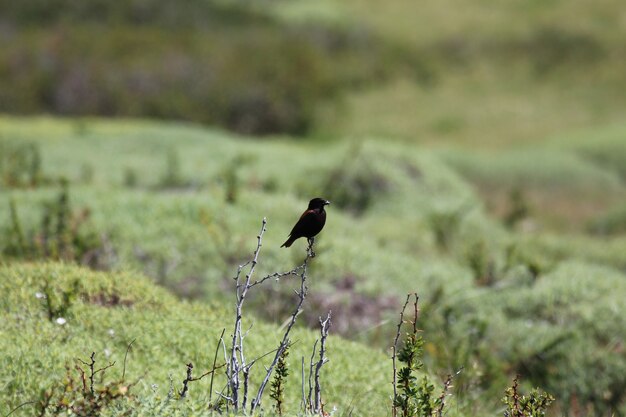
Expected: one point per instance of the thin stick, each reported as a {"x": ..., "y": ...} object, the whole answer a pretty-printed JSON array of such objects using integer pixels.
[
  {"x": 324, "y": 327},
  {"x": 278, "y": 275},
  {"x": 311, "y": 365},
  {"x": 302, "y": 401},
  {"x": 125, "y": 356},
  {"x": 20, "y": 406},
  {"x": 83, "y": 378},
  {"x": 393, "y": 355},
  {"x": 283, "y": 344},
  {"x": 186, "y": 381},
  {"x": 415, "y": 314},
  {"x": 217, "y": 349},
  {"x": 111, "y": 364},
  {"x": 234, "y": 364},
  {"x": 245, "y": 368},
  {"x": 211, "y": 372}
]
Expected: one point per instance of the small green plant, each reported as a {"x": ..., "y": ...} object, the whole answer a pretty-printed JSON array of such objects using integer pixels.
[
  {"x": 87, "y": 173},
  {"x": 20, "y": 164},
  {"x": 58, "y": 305},
  {"x": 445, "y": 225},
  {"x": 61, "y": 234},
  {"x": 413, "y": 397},
  {"x": 535, "y": 261},
  {"x": 130, "y": 178},
  {"x": 611, "y": 223},
  {"x": 480, "y": 262},
  {"x": 354, "y": 183},
  {"x": 79, "y": 394},
  {"x": 518, "y": 207},
  {"x": 534, "y": 404},
  {"x": 277, "y": 388},
  {"x": 232, "y": 183},
  {"x": 16, "y": 234},
  {"x": 231, "y": 176},
  {"x": 172, "y": 176}
]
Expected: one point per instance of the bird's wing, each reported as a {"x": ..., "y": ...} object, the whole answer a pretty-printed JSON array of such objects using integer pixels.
[{"x": 307, "y": 221}]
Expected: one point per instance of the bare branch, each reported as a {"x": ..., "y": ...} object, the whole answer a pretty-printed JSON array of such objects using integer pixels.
[
  {"x": 235, "y": 366},
  {"x": 83, "y": 377},
  {"x": 211, "y": 372},
  {"x": 186, "y": 381},
  {"x": 235, "y": 359},
  {"x": 111, "y": 364},
  {"x": 91, "y": 373},
  {"x": 303, "y": 400},
  {"x": 324, "y": 327},
  {"x": 283, "y": 344},
  {"x": 278, "y": 275},
  {"x": 311, "y": 366},
  {"x": 415, "y": 314}
]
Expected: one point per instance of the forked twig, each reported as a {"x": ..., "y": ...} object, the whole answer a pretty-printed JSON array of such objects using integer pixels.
[
  {"x": 92, "y": 372},
  {"x": 236, "y": 366},
  {"x": 324, "y": 327},
  {"x": 284, "y": 342}
]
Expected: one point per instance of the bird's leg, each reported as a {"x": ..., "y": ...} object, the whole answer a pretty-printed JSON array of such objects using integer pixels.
[{"x": 309, "y": 249}]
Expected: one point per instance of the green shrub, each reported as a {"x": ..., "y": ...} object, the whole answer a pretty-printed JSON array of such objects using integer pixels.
[
  {"x": 113, "y": 308},
  {"x": 277, "y": 391},
  {"x": 551, "y": 47},
  {"x": 172, "y": 176},
  {"x": 534, "y": 404},
  {"x": 20, "y": 164},
  {"x": 518, "y": 207},
  {"x": 445, "y": 224},
  {"x": 206, "y": 62},
  {"x": 84, "y": 393},
  {"x": 413, "y": 396},
  {"x": 604, "y": 147},
  {"x": 63, "y": 233},
  {"x": 354, "y": 182},
  {"x": 611, "y": 223}
]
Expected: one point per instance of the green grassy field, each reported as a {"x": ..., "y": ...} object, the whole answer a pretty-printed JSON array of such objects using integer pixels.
[
  {"x": 533, "y": 297},
  {"x": 111, "y": 310},
  {"x": 474, "y": 153}
]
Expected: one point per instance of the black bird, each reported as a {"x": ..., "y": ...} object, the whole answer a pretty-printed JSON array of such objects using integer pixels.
[{"x": 311, "y": 222}]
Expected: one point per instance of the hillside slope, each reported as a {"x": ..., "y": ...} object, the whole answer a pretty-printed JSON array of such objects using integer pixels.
[
  {"x": 105, "y": 312},
  {"x": 183, "y": 204}
]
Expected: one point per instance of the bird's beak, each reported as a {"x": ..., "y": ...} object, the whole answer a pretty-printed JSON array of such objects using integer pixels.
[{"x": 327, "y": 203}]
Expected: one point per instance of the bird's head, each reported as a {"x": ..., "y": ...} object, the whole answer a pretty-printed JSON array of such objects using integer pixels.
[{"x": 318, "y": 203}]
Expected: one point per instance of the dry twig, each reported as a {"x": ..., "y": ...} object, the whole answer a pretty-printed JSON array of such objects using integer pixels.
[
  {"x": 186, "y": 381},
  {"x": 324, "y": 327}
]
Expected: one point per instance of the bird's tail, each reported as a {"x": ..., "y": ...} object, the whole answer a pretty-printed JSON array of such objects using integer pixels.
[{"x": 287, "y": 243}]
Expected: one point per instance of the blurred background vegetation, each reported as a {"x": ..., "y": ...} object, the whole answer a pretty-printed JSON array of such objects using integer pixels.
[
  {"x": 333, "y": 68},
  {"x": 474, "y": 152}
]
